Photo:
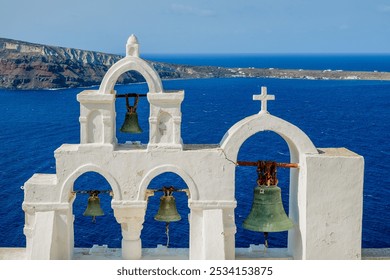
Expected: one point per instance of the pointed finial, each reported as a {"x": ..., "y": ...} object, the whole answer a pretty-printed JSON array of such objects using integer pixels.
[{"x": 132, "y": 46}]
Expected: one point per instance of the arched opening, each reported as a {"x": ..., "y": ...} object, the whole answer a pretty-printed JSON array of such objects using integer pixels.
[
  {"x": 298, "y": 144},
  {"x": 127, "y": 64},
  {"x": 267, "y": 146},
  {"x": 154, "y": 232},
  {"x": 139, "y": 86},
  {"x": 106, "y": 230}
]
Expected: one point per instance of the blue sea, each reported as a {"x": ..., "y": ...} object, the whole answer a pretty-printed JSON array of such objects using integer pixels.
[{"x": 352, "y": 114}]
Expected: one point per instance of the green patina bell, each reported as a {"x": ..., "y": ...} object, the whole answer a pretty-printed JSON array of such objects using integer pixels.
[
  {"x": 267, "y": 213},
  {"x": 167, "y": 211},
  {"x": 93, "y": 208},
  {"x": 131, "y": 125}
]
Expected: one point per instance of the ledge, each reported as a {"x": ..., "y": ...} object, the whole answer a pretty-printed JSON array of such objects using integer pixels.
[{"x": 162, "y": 253}]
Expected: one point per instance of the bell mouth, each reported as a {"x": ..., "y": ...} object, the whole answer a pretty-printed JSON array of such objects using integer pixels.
[
  {"x": 267, "y": 213},
  {"x": 167, "y": 219},
  {"x": 270, "y": 227}
]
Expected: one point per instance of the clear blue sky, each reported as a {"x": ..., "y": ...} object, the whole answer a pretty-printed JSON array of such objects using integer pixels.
[{"x": 202, "y": 26}]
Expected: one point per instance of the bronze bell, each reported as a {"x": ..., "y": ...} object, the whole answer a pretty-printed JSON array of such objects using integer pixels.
[
  {"x": 167, "y": 211},
  {"x": 131, "y": 125},
  {"x": 267, "y": 213},
  {"x": 93, "y": 208}
]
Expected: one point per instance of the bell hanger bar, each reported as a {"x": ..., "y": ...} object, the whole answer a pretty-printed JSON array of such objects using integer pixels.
[
  {"x": 170, "y": 189},
  {"x": 130, "y": 94},
  {"x": 93, "y": 191},
  {"x": 256, "y": 163}
]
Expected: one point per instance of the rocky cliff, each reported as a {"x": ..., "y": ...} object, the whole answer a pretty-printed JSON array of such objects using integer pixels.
[{"x": 26, "y": 65}]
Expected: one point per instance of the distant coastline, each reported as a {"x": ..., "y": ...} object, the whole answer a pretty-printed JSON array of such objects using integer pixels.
[{"x": 27, "y": 66}]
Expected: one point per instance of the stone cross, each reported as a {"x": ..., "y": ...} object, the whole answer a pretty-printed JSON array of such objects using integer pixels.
[{"x": 263, "y": 97}]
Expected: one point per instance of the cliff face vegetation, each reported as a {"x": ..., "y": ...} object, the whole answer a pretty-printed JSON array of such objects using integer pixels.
[{"x": 26, "y": 65}]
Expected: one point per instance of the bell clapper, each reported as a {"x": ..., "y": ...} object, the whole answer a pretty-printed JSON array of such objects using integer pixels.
[
  {"x": 167, "y": 232},
  {"x": 94, "y": 219},
  {"x": 265, "y": 241}
]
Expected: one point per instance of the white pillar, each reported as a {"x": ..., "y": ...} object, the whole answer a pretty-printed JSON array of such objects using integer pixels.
[
  {"x": 212, "y": 230},
  {"x": 97, "y": 117},
  {"x": 43, "y": 238},
  {"x": 131, "y": 238},
  {"x": 131, "y": 216},
  {"x": 329, "y": 224},
  {"x": 230, "y": 230},
  {"x": 213, "y": 241}
]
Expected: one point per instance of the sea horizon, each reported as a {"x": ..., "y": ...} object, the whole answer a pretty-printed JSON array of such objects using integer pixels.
[{"x": 305, "y": 61}]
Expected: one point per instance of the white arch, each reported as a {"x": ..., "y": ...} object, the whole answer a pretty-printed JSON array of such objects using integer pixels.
[
  {"x": 69, "y": 181},
  {"x": 298, "y": 142},
  {"x": 130, "y": 63},
  {"x": 154, "y": 172}
]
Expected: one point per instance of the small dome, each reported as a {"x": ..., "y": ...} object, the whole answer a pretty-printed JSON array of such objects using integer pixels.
[{"x": 132, "y": 40}]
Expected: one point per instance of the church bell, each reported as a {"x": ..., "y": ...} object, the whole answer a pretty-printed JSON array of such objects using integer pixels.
[
  {"x": 167, "y": 211},
  {"x": 267, "y": 213},
  {"x": 93, "y": 208},
  {"x": 131, "y": 125}
]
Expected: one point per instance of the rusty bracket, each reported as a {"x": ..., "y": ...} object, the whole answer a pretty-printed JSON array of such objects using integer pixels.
[
  {"x": 148, "y": 193},
  {"x": 266, "y": 170}
]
